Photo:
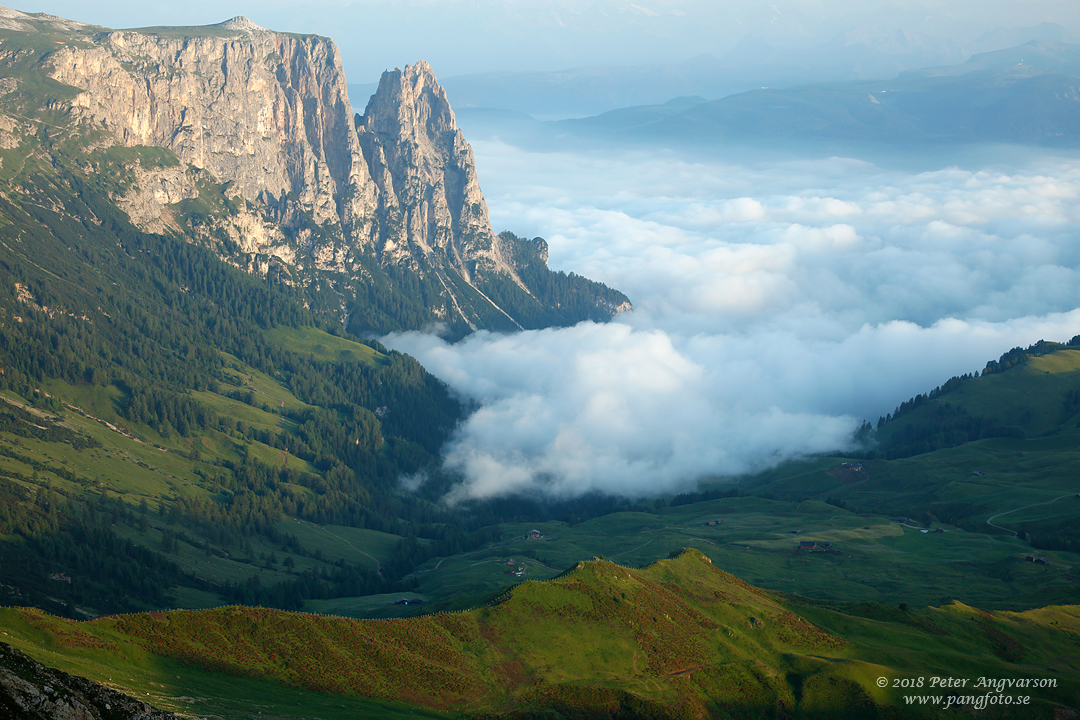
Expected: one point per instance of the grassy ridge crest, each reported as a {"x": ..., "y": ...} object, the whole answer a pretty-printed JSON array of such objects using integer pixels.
[{"x": 678, "y": 638}]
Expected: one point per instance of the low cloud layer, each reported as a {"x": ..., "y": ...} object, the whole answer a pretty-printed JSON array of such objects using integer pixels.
[{"x": 777, "y": 305}]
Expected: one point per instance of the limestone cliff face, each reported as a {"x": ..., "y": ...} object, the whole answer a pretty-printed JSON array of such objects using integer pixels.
[
  {"x": 381, "y": 215},
  {"x": 269, "y": 113},
  {"x": 430, "y": 198},
  {"x": 264, "y": 111}
]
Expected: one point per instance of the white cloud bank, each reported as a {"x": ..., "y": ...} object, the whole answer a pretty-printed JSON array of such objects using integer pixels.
[{"x": 777, "y": 305}]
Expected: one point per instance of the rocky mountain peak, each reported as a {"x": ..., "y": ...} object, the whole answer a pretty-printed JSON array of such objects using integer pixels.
[
  {"x": 26, "y": 22},
  {"x": 240, "y": 23},
  {"x": 426, "y": 173},
  {"x": 329, "y": 197},
  {"x": 6, "y": 12},
  {"x": 409, "y": 102}
]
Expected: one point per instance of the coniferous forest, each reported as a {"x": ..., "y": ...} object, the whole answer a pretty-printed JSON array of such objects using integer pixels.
[{"x": 95, "y": 306}]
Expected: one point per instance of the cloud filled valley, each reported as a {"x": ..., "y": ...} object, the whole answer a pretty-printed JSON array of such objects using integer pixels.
[{"x": 778, "y": 304}]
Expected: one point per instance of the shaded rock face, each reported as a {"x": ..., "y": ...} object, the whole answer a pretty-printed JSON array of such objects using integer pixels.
[{"x": 32, "y": 691}]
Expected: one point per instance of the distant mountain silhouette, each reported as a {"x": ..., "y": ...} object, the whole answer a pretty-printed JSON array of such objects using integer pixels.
[{"x": 1029, "y": 94}]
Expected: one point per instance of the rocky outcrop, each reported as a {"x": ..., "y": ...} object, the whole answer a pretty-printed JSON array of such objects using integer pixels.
[
  {"x": 32, "y": 23},
  {"x": 429, "y": 196},
  {"x": 152, "y": 191},
  {"x": 32, "y": 691},
  {"x": 382, "y": 212},
  {"x": 266, "y": 112}
]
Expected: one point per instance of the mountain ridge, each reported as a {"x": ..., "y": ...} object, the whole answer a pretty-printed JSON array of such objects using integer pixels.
[
  {"x": 329, "y": 198},
  {"x": 1024, "y": 95},
  {"x": 678, "y": 638}
]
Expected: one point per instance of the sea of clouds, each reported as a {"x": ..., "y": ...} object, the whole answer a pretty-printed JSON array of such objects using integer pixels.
[{"x": 777, "y": 304}]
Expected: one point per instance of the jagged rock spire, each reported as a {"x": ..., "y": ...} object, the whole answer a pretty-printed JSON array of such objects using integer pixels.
[{"x": 421, "y": 161}]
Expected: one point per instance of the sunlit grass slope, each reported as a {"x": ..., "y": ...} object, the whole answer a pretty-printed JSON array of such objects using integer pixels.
[
  {"x": 677, "y": 639},
  {"x": 1030, "y": 396},
  {"x": 870, "y": 558},
  {"x": 323, "y": 345}
]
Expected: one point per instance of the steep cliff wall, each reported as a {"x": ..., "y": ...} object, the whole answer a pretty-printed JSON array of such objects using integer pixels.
[
  {"x": 425, "y": 172},
  {"x": 380, "y": 216},
  {"x": 266, "y": 112}
]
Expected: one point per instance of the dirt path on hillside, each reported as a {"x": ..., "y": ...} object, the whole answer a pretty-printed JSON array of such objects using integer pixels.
[
  {"x": 418, "y": 572},
  {"x": 627, "y": 552},
  {"x": 1008, "y": 512},
  {"x": 378, "y": 565},
  {"x": 1068, "y": 568}
]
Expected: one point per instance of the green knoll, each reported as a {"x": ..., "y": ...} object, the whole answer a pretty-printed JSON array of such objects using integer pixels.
[
  {"x": 677, "y": 639},
  {"x": 994, "y": 453}
]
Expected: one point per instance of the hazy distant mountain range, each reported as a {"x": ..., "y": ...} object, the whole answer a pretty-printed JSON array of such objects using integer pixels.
[
  {"x": 862, "y": 53},
  {"x": 1028, "y": 94}
]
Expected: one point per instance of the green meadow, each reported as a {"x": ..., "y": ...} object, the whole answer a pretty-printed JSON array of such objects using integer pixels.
[
  {"x": 871, "y": 558},
  {"x": 148, "y": 471},
  {"x": 322, "y": 345}
]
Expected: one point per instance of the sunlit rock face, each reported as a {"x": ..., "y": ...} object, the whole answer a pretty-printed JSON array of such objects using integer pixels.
[
  {"x": 264, "y": 117},
  {"x": 430, "y": 197},
  {"x": 264, "y": 111}
]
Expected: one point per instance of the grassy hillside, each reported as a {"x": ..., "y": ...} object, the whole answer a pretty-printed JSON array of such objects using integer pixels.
[
  {"x": 162, "y": 413},
  {"x": 995, "y": 454},
  {"x": 869, "y": 557},
  {"x": 1032, "y": 392},
  {"x": 677, "y": 639}
]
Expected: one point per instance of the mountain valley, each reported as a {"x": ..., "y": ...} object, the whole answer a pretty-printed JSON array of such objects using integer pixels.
[{"x": 221, "y": 495}]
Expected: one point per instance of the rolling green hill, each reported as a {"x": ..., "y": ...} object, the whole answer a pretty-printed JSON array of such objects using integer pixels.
[
  {"x": 1033, "y": 392},
  {"x": 997, "y": 453},
  {"x": 677, "y": 639}
]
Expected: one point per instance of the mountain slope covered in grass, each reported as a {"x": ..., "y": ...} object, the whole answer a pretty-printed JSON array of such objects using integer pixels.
[
  {"x": 996, "y": 452},
  {"x": 1032, "y": 392},
  {"x": 677, "y": 639}
]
